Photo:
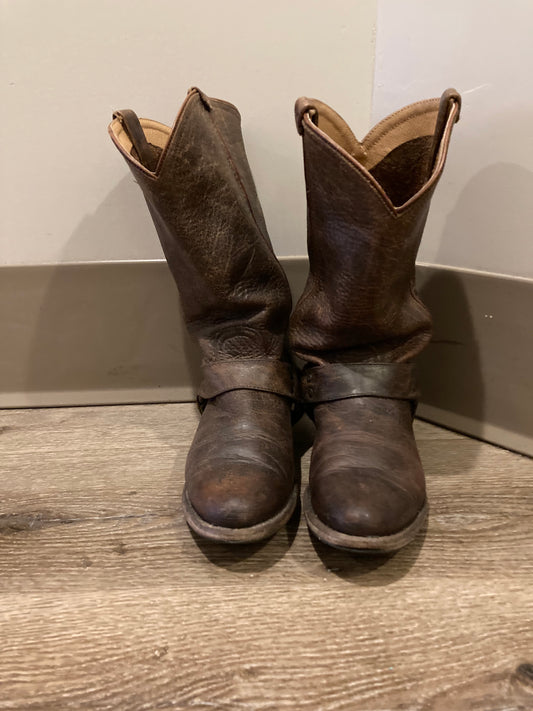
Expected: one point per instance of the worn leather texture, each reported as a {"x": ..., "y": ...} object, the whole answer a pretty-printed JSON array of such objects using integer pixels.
[
  {"x": 236, "y": 302},
  {"x": 367, "y": 206},
  {"x": 338, "y": 381},
  {"x": 266, "y": 376}
]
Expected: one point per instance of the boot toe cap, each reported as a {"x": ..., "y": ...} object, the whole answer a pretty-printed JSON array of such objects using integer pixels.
[
  {"x": 239, "y": 497},
  {"x": 364, "y": 503}
]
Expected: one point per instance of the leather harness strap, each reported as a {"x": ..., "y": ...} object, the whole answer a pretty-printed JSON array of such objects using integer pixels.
[
  {"x": 268, "y": 376},
  {"x": 340, "y": 381}
]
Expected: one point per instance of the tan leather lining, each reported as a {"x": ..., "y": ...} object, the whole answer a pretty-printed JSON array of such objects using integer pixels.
[
  {"x": 411, "y": 127},
  {"x": 156, "y": 133},
  {"x": 410, "y": 122},
  {"x": 338, "y": 130},
  {"x": 441, "y": 156}
]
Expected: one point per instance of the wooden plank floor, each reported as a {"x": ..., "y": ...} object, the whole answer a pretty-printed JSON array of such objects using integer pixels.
[{"x": 108, "y": 602}]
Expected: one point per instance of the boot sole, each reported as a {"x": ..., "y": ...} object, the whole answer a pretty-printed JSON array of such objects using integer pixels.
[
  {"x": 361, "y": 544},
  {"x": 249, "y": 534}
]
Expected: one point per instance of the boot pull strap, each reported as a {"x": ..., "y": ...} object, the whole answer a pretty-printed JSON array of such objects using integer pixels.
[
  {"x": 447, "y": 101},
  {"x": 148, "y": 155},
  {"x": 203, "y": 97},
  {"x": 304, "y": 106}
]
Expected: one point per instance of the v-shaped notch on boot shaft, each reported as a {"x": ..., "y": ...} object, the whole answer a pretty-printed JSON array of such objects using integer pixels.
[
  {"x": 201, "y": 195},
  {"x": 145, "y": 141},
  {"x": 149, "y": 145},
  {"x": 205, "y": 138},
  {"x": 401, "y": 157},
  {"x": 367, "y": 204}
]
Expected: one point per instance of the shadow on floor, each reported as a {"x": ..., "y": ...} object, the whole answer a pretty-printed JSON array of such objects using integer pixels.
[
  {"x": 258, "y": 556},
  {"x": 369, "y": 570}
]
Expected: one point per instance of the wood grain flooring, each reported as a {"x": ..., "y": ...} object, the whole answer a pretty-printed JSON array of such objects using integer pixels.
[{"x": 108, "y": 602}]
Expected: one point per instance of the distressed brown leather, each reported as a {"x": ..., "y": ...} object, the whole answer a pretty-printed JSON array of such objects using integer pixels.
[
  {"x": 359, "y": 322},
  {"x": 236, "y": 302},
  {"x": 338, "y": 381},
  {"x": 265, "y": 376}
]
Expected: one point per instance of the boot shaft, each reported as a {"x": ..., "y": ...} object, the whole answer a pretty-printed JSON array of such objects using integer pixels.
[
  {"x": 367, "y": 206},
  {"x": 200, "y": 192}
]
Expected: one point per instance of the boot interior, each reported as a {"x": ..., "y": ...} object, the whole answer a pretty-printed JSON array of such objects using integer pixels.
[
  {"x": 398, "y": 152},
  {"x": 157, "y": 134},
  {"x": 405, "y": 170}
]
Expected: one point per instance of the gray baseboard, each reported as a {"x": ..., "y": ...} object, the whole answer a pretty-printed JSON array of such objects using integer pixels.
[
  {"x": 475, "y": 376},
  {"x": 111, "y": 332}
]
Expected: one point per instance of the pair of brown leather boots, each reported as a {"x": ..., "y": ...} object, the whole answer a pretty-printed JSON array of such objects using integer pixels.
[{"x": 354, "y": 331}]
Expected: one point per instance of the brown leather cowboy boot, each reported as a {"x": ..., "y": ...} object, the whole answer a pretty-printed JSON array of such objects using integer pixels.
[
  {"x": 239, "y": 479},
  {"x": 360, "y": 323}
]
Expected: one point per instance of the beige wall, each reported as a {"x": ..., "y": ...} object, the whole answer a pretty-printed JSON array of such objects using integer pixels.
[
  {"x": 482, "y": 214},
  {"x": 66, "y": 192}
]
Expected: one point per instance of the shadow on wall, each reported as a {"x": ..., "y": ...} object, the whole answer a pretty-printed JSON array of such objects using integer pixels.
[
  {"x": 494, "y": 208},
  {"x": 111, "y": 326},
  {"x": 107, "y": 333},
  {"x": 475, "y": 367},
  {"x": 449, "y": 370},
  {"x": 121, "y": 220}
]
